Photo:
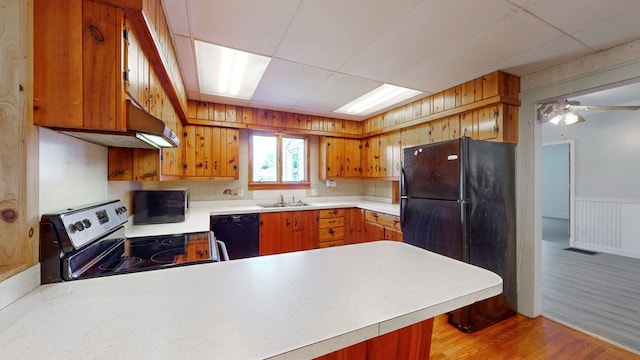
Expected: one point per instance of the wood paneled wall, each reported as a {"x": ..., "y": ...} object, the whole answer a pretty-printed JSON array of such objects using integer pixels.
[{"x": 18, "y": 141}]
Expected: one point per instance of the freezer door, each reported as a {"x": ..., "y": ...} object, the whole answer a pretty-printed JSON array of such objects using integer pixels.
[
  {"x": 432, "y": 171},
  {"x": 435, "y": 225}
]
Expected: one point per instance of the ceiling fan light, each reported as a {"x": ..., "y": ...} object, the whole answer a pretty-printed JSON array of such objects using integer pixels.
[
  {"x": 556, "y": 119},
  {"x": 571, "y": 118}
]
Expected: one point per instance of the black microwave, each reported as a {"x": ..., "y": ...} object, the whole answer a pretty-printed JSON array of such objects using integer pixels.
[{"x": 160, "y": 206}]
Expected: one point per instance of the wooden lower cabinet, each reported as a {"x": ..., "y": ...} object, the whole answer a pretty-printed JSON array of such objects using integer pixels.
[
  {"x": 331, "y": 227},
  {"x": 379, "y": 226},
  {"x": 409, "y": 343},
  {"x": 287, "y": 231},
  {"x": 355, "y": 226}
]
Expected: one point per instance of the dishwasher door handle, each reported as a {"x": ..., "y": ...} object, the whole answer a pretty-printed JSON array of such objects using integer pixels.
[{"x": 223, "y": 247}]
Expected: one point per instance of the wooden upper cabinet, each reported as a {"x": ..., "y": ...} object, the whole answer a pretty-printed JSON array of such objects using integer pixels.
[
  {"x": 210, "y": 152},
  {"x": 77, "y": 65},
  {"x": 339, "y": 158},
  {"x": 492, "y": 123}
]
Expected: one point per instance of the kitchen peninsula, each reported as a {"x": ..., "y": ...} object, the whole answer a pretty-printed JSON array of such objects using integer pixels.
[{"x": 297, "y": 305}]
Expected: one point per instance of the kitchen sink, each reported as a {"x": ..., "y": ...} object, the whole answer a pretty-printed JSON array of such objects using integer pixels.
[{"x": 283, "y": 205}]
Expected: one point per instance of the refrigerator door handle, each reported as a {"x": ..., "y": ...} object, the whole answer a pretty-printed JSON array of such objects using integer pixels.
[{"x": 403, "y": 184}]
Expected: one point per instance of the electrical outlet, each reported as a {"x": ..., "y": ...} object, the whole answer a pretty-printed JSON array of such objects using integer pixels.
[
  {"x": 314, "y": 192},
  {"x": 240, "y": 192}
]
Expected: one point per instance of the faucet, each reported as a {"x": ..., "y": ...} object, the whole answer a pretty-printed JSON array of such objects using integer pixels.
[{"x": 281, "y": 199}]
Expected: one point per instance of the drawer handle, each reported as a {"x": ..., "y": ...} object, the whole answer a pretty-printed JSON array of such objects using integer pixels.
[{"x": 96, "y": 33}]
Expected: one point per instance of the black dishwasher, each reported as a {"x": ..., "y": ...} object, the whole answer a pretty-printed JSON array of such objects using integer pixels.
[{"x": 240, "y": 233}]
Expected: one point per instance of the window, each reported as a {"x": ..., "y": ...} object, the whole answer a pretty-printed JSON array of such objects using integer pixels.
[{"x": 278, "y": 161}]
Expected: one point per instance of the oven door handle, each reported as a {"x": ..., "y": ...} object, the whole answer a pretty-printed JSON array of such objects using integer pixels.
[{"x": 223, "y": 247}]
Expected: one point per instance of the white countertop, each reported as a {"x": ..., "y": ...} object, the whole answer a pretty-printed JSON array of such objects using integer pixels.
[
  {"x": 200, "y": 211},
  {"x": 288, "y": 306}
]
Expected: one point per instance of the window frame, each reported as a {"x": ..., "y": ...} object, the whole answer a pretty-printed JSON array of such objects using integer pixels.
[{"x": 279, "y": 184}]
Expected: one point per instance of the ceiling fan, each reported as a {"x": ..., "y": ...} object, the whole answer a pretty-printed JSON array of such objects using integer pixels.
[{"x": 564, "y": 112}]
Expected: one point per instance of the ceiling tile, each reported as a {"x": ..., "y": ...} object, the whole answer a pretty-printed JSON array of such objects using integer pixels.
[
  {"x": 284, "y": 82},
  {"x": 254, "y": 26},
  {"x": 612, "y": 32},
  {"x": 335, "y": 91},
  {"x": 473, "y": 57},
  {"x": 177, "y": 16},
  {"x": 573, "y": 15},
  {"x": 544, "y": 56},
  {"x": 328, "y": 33},
  {"x": 424, "y": 33}
]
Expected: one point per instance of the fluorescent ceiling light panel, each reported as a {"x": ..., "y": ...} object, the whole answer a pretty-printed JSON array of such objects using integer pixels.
[
  {"x": 227, "y": 72},
  {"x": 379, "y": 98}
]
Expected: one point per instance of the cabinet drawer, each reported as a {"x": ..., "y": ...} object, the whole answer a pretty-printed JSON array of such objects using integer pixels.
[
  {"x": 331, "y": 222},
  {"x": 331, "y": 234},
  {"x": 386, "y": 220},
  {"x": 325, "y": 214},
  {"x": 327, "y": 244}
]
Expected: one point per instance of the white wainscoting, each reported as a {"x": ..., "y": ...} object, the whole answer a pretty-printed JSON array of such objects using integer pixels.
[{"x": 608, "y": 225}]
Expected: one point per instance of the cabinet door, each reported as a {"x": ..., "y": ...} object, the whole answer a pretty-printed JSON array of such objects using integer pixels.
[
  {"x": 354, "y": 226},
  {"x": 391, "y": 234},
  {"x": 137, "y": 70},
  {"x": 386, "y": 156},
  {"x": 366, "y": 157},
  {"x": 396, "y": 153},
  {"x": 202, "y": 150},
  {"x": 454, "y": 127},
  {"x": 335, "y": 153},
  {"x": 469, "y": 124},
  {"x": 352, "y": 158},
  {"x": 489, "y": 121},
  {"x": 270, "y": 233},
  {"x": 374, "y": 161},
  {"x": 373, "y": 231},
  {"x": 101, "y": 66},
  {"x": 215, "y": 145},
  {"x": 305, "y": 230},
  {"x": 146, "y": 164},
  {"x": 229, "y": 153},
  {"x": 156, "y": 95},
  {"x": 288, "y": 218}
]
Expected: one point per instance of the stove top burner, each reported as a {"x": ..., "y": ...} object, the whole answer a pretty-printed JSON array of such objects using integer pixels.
[
  {"x": 120, "y": 264},
  {"x": 142, "y": 241},
  {"x": 167, "y": 256}
]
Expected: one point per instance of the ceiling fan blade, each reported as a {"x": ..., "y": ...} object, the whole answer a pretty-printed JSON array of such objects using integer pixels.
[{"x": 603, "y": 107}]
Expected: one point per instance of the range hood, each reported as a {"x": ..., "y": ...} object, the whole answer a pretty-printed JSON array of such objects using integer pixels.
[{"x": 144, "y": 131}]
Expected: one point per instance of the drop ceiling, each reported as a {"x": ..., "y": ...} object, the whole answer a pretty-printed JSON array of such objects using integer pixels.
[{"x": 327, "y": 53}]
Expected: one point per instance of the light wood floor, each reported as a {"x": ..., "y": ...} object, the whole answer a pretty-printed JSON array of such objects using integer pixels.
[
  {"x": 596, "y": 293},
  {"x": 523, "y": 338}
]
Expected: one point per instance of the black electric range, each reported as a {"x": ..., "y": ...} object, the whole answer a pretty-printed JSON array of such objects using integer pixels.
[{"x": 89, "y": 242}]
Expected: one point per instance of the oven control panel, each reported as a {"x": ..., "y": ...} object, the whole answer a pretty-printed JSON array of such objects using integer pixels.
[{"x": 88, "y": 224}]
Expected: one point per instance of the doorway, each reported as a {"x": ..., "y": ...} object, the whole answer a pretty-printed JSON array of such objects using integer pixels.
[{"x": 557, "y": 192}]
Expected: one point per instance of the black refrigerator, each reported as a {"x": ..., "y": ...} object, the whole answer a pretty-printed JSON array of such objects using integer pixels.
[{"x": 458, "y": 200}]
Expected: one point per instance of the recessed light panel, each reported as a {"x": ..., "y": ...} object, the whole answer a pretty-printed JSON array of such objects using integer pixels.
[
  {"x": 228, "y": 72},
  {"x": 379, "y": 98}
]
